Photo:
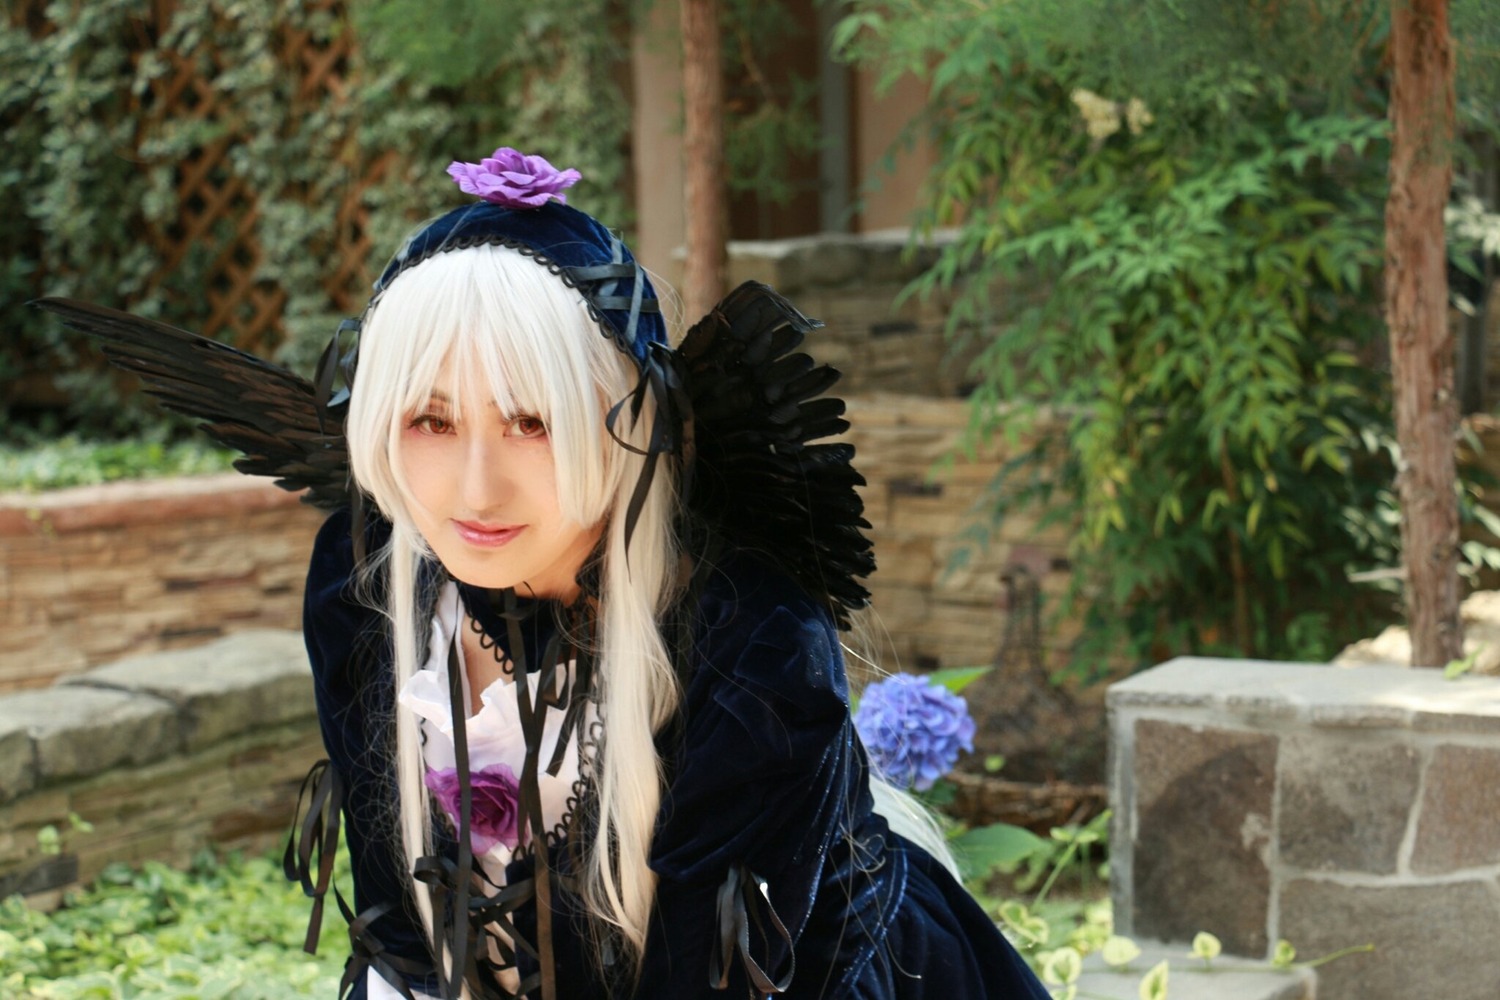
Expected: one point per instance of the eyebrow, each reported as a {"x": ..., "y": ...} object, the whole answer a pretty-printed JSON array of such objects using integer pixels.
[{"x": 438, "y": 396}]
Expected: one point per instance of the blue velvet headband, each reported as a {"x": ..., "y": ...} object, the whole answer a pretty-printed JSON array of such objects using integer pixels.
[{"x": 572, "y": 245}]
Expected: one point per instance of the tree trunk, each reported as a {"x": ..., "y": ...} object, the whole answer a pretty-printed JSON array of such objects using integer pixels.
[
  {"x": 707, "y": 207},
  {"x": 1416, "y": 303}
]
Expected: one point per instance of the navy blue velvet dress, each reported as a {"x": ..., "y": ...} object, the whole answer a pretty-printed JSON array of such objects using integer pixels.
[{"x": 767, "y": 782}]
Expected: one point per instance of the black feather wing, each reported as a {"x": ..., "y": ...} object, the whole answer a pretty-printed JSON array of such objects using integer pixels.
[
  {"x": 758, "y": 477},
  {"x": 265, "y": 411}
]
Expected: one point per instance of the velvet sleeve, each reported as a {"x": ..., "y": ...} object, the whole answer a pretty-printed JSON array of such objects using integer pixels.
[
  {"x": 353, "y": 685},
  {"x": 761, "y": 781}
]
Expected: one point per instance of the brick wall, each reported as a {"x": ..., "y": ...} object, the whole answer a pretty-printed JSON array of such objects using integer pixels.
[{"x": 92, "y": 574}]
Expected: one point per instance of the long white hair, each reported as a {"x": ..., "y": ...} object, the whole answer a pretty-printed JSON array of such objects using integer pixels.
[{"x": 503, "y": 328}]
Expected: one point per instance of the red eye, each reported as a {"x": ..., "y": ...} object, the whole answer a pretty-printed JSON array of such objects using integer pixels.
[
  {"x": 431, "y": 423},
  {"x": 526, "y": 426}
]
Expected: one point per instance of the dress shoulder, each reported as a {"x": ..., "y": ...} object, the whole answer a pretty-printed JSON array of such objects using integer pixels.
[
  {"x": 765, "y": 704},
  {"x": 761, "y": 636}
]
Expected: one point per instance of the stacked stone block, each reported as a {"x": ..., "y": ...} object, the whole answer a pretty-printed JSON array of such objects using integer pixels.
[
  {"x": 937, "y": 587},
  {"x": 937, "y": 595},
  {"x": 163, "y": 754},
  {"x": 1330, "y": 806},
  {"x": 92, "y": 574},
  {"x": 852, "y": 283}
]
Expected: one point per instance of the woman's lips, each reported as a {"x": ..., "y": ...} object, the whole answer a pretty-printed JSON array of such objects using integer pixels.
[{"x": 486, "y": 536}]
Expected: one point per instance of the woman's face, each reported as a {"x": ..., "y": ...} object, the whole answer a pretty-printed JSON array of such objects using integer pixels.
[{"x": 484, "y": 496}]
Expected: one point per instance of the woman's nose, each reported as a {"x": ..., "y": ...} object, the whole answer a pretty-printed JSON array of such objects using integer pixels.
[{"x": 486, "y": 479}]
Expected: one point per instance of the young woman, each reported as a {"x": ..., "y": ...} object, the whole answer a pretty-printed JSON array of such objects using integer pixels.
[{"x": 574, "y": 630}]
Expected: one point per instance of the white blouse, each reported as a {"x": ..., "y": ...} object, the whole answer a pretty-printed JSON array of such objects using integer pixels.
[{"x": 496, "y": 744}]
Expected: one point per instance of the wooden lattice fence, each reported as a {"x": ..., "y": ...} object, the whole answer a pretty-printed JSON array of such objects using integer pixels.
[{"x": 217, "y": 210}]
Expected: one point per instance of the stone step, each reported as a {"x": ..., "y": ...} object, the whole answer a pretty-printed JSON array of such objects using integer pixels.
[{"x": 1229, "y": 978}]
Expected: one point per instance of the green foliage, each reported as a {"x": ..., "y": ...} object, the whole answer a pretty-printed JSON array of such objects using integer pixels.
[
  {"x": 71, "y": 461},
  {"x": 1175, "y": 306},
  {"x": 771, "y": 110},
  {"x": 92, "y": 162},
  {"x": 222, "y": 929},
  {"x": 544, "y": 77},
  {"x": 955, "y": 679},
  {"x": 1164, "y": 50},
  {"x": 999, "y": 845}
]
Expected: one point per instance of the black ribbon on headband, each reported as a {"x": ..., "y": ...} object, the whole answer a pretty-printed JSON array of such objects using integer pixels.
[
  {"x": 333, "y": 362},
  {"x": 606, "y": 298},
  {"x": 672, "y": 429}
]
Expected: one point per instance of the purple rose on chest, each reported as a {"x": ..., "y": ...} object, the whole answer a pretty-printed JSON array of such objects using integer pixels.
[{"x": 494, "y": 816}]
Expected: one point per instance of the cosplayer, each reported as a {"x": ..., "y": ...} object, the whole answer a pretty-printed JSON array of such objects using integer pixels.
[{"x": 574, "y": 629}]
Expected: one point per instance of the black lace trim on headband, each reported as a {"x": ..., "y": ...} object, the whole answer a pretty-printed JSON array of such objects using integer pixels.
[{"x": 578, "y": 278}]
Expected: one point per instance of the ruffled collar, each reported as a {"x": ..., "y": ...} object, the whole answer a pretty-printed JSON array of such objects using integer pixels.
[{"x": 537, "y": 621}]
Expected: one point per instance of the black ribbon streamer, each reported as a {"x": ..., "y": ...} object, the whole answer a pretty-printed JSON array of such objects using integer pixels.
[
  {"x": 312, "y": 844},
  {"x": 672, "y": 431},
  {"x": 464, "y": 912},
  {"x": 319, "y": 837},
  {"x": 533, "y": 714},
  {"x": 332, "y": 363},
  {"x": 458, "y": 942},
  {"x": 745, "y": 898},
  {"x": 368, "y": 951}
]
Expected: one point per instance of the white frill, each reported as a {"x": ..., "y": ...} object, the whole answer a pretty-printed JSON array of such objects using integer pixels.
[
  {"x": 494, "y": 732},
  {"x": 494, "y": 737}
]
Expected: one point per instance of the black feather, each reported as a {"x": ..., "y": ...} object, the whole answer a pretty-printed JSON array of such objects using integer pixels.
[
  {"x": 242, "y": 402},
  {"x": 758, "y": 479}
]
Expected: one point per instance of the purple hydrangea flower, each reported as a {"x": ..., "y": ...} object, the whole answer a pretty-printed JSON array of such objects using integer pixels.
[
  {"x": 913, "y": 729},
  {"x": 513, "y": 179},
  {"x": 495, "y": 814}
]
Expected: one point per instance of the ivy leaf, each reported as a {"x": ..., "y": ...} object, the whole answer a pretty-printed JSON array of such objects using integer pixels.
[
  {"x": 985, "y": 848},
  {"x": 1455, "y": 669},
  {"x": 1154, "y": 983},
  {"x": 1119, "y": 952},
  {"x": 1063, "y": 966},
  {"x": 48, "y": 840},
  {"x": 1206, "y": 946}
]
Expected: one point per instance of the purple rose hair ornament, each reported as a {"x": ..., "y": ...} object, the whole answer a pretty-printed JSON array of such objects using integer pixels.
[
  {"x": 913, "y": 730},
  {"x": 513, "y": 179},
  {"x": 495, "y": 817}
]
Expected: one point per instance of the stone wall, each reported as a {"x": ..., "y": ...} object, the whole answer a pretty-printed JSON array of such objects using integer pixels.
[
  {"x": 89, "y": 575},
  {"x": 1330, "y": 806},
  {"x": 164, "y": 754},
  {"x": 850, "y": 283}
]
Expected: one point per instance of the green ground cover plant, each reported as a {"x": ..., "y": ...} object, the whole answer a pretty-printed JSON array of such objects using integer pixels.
[{"x": 230, "y": 929}]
